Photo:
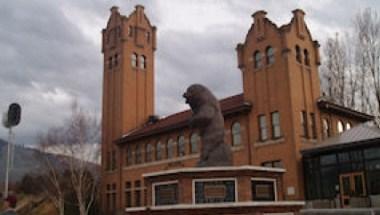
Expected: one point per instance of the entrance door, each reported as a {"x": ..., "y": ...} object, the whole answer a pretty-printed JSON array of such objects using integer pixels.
[{"x": 351, "y": 184}]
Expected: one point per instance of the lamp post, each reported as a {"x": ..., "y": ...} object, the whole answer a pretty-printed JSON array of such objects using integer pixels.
[{"x": 10, "y": 119}]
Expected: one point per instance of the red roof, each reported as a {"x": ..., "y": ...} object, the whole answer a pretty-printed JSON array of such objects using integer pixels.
[{"x": 179, "y": 120}]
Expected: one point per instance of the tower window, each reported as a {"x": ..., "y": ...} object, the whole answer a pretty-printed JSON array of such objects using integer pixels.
[
  {"x": 142, "y": 62},
  {"x": 134, "y": 60},
  {"x": 236, "y": 134},
  {"x": 147, "y": 35},
  {"x": 276, "y": 128},
  {"x": 181, "y": 145},
  {"x": 304, "y": 129},
  {"x": 298, "y": 54},
  {"x": 326, "y": 128},
  {"x": 263, "y": 128},
  {"x": 257, "y": 57},
  {"x": 194, "y": 140},
  {"x": 270, "y": 55},
  {"x": 130, "y": 31},
  {"x": 313, "y": 126},
  {"x": 306, "y": 56}
]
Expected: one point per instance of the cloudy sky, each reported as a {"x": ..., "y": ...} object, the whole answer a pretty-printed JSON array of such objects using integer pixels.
[{"x": 50, "y": 50}]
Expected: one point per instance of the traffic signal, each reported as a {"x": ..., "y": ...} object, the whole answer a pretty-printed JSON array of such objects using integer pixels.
[{"x": 14, "y": 114}]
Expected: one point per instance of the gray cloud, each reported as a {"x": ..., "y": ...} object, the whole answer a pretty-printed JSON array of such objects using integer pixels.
[{"x": 50, "y": 50}]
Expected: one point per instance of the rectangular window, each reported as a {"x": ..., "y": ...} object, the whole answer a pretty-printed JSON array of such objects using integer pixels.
[
  {"x": 275, "y": 164},
  {"x": 263, "y": 128},
  {"x": 304, "y": 129},
  {"x": 137, "y": 193},
  {"x": 113, "y": 194},
  {"x": 128, "y": 194},
  {"x": 276, "y": 128},
  {"x": 263, "y": 190},
  {"x": 313, "y": 126},
  {"x": 129, "y": 156}
]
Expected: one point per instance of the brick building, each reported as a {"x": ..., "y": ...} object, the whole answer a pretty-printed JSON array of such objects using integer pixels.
[{"x": 279, "y": 113}]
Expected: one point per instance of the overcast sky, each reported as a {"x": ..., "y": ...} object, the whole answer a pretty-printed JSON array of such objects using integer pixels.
[{"x": 50, "y": 50}]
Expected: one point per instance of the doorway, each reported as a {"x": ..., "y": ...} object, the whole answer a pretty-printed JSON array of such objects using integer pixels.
[{"x": 351, "y": 185}]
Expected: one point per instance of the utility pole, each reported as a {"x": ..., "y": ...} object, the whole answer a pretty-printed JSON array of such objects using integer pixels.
[{"x": 10, "y": 119}]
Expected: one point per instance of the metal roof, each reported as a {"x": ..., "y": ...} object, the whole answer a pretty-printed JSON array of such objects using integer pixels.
[{"x": 362, "y": 133}]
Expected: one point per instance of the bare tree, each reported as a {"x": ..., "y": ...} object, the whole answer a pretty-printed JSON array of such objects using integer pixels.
[{"x": 76, "y": 146}]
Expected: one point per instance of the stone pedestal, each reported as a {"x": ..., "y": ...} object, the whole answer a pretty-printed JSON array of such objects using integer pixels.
[{"x": 216, "y": 190}]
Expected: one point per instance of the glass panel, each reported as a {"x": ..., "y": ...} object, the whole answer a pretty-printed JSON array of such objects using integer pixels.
[
  {"x": 346, "y": 185},
  {"x": 328, "y": 159},
  {"x": 358, "y": 182},
  {"x": 236, "y": 138},
  {"x": 263, "y": 191},
  {"x": 329, "y": 179},
  {"x": 343, "y": 157},
  {"x": 181, "y": 146},
  {"x": 194, "y": 139},
  {"x": 373, "y": 182},
  {"x": 372, "y": 153}
]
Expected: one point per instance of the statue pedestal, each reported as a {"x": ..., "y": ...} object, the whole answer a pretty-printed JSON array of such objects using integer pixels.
[{"x": 216, "y": 190}]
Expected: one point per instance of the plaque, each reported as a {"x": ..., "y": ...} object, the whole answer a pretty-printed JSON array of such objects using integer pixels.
[
  {"x": 263, "y": 190},
  {"x": 166, "y": 194},
  {"x": 214, "y": 191}
]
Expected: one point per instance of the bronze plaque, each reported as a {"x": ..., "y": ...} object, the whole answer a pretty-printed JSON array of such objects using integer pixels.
[{"x": 215, "y": 191}]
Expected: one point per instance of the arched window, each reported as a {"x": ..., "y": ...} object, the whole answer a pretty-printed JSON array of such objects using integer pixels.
[
  {"x": 134, "y": 60},
  {"x": 306, "y": 56},
  {"x": 257, "y": 57},
  {"x": 181, "y": 146},
  {"x": 142, "y": 62},
  {"x": 149, "y": 152},
  {"x": 170, "y": 148},
  {"x": 339, "y": 126},
  {"x": 348, "y": 126},
  {"x": 326, "y": 128},
  {"x": 159, "y": 150},
  {"x": 194, "y": 141},
  {"x": 298, "y": 54},
  {"x": 270, "y": 55},
  {"x": 138, "y": 158},
  {"x": 236, "y": 134}
]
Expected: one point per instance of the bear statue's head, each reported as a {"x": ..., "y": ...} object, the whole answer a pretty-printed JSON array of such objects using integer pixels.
[{"x": 197, "y": 95}]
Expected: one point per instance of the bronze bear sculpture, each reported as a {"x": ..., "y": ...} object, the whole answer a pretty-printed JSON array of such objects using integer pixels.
[{"x": 208, "y": 118}]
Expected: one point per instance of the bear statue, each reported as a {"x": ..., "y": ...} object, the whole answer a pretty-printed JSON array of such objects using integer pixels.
[{"x": 208, "y": 118}]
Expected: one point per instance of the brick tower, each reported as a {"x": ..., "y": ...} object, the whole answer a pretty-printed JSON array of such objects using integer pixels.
[
  {"x": 279, "y": 67},
  {"x": 128, "y": 47}
]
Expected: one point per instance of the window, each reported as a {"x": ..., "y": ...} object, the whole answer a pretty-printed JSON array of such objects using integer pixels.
[
  {"x": 147, "y": 36},
  {"x": 109, "y": 63},
  {"x": 181, "y": 145},
  {"x": 138, "y": 154},
  {"x": 257, "y": 57},
  {"x": 313, "y": 126},
  {"x": 137, "y": 193},
  {"x": 348, "y": 126},
  {"x": 275, "y": 164},
  {"x": 149, "y": 152},
  {"x": 129, "y": 158},
  {"x": 113, "y": 199},
  {"x": 326, "y": 128},
  {"x": 263, "y": 190},
  {"x": 113, "y": 160},
  {"x": 128, "y": 194},
  {"x": 304, "y": 130},
  {"x": 142, "y": 62},
  {"x": 298, "y": 54},
  {"x": 130, "y": 31},
  {"x": 306, "y": 56},
  {"x": 236, "y": 134},
  {"x": 263, "y": 128},
  {"x": 170, "y": 148},
  {"x": 194, "y": 140},
  {"x": 270, "y": 55},
  {"x": 159, "y": 151},
  {"x": 276, "y": 128},
  {"x": 339, "y": 126},
  {"x": 134, "y": 60}
]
